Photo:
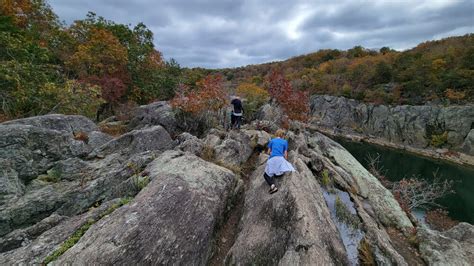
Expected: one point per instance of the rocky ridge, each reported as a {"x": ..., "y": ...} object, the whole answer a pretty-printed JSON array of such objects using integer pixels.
[{"x": 184, "y": 189}]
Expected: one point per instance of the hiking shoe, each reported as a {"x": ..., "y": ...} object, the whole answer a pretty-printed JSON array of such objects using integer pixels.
[{"x": 273, "y": 190}]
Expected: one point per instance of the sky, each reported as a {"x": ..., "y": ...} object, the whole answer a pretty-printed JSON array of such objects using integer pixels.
[{"x": 232, "y": 33}]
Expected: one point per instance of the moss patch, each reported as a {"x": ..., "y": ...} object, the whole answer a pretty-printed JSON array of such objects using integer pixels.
[{"x": 74, "y": 238}]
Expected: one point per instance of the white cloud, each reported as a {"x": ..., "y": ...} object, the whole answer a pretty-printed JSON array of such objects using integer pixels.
[{"x": 229, "y": 33}]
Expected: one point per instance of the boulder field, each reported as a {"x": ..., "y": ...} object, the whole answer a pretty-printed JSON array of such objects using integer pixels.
[{"x": 71, "y": 194}]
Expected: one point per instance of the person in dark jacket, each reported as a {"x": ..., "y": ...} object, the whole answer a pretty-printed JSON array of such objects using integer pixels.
[{"x": 237, "y": 112}]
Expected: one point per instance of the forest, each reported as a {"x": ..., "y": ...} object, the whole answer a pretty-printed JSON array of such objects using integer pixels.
[{"x": 96, "y": 67}]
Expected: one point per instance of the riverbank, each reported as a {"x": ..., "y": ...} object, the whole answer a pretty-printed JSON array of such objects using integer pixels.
[{"x": 444, "y": 155}]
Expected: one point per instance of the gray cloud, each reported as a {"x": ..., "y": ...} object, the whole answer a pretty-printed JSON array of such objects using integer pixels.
[{"x": 229, "y": 33}]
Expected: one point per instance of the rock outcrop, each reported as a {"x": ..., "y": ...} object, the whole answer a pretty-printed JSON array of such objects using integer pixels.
[
  {"x": 44, "y": 171},
  {"x": 414, "y": 126},
  {"x": 452, "y": 247},
  {"x": 172, "y": 220},
  {"x": 291, "y": 227},
  {"x": 155, "y": 114},
  {"x": 54, "y": 184}
]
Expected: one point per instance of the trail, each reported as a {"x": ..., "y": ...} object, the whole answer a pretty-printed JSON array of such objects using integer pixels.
[{"x": 227, "y": 233}]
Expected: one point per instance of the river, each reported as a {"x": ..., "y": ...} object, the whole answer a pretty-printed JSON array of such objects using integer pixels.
[{"x": 398, "y": 164}]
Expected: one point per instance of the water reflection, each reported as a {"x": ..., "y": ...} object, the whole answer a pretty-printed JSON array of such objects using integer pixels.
[{"x": 399, "y": 164}]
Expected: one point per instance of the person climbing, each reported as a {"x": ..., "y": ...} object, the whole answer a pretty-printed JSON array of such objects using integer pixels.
[
  {"x": 236, "y": 116},
  {"x": 277, "y": 164}
]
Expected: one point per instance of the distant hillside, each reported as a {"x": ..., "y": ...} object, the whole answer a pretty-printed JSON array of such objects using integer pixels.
[{"x": 440, "y": 71}]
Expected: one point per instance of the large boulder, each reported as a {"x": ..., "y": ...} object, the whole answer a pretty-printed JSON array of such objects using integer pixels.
[
  {"x": 290, "y": 227},
  {"x": 172, "y": 220},
  {"x": 136, "y": 141},
  {"x": 366, "y": 185},
  {"x": 31, "y": 150},
  {"x": 190, "y": 143},
  {"x": 44, "y": 176},
  {"x": 68, "y": 123},
  {"x": 234, "y": 150},
  {"x": 157, "y": 113},
  {"x": 33, "y": 244},
  {"x": 452, "y": 247}
]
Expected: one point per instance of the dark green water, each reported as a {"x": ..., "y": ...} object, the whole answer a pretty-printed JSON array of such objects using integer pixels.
[{"x": 398, "y": 164}]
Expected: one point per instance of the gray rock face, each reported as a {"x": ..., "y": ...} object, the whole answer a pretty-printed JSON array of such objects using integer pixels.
[
  {"x": 190, "y": 143},
  {"x": 32, "y": 245},
  {"x": 452, "y": 247},
  {"x": 234, "y": 149},
  {"x": 136, "y": 141},
  {"x": 42, "y": 170},
  {"x": 409, "y": 125},
  {"x": 367, "y": 186},
  {"x": 172, "y": 220},
  {"x": 68, "y": 123},
  {"x": 468, "y": 145},
  {"x": 157, "y": 113},
  {"x": 290, "y": 227}
]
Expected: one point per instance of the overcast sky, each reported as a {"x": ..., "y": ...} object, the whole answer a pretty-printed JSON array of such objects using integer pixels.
[{"x": 230, "y": 33}]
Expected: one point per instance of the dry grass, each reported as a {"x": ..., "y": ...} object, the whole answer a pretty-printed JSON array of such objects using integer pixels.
[
  {"x": 236, "y": 169},
  {"x": 82, "y": 136},
  {"x": 113, "y": 130},
  {"x": 439, "y": 220},
  {"x": 366, "y": 255},
  {"x": 207, "y": 153}
]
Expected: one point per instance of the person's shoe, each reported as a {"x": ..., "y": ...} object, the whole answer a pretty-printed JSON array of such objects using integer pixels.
[{"x": 273, "y": 189}]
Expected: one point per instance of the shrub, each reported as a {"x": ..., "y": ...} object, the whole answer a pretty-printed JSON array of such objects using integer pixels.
[
  {"x": 200, "y": 108},
  {"x": 325, "y": 179},
  {"x": 439, "y": 140},
  {"x": 439, "y": 220},
  {"x": 344, "y": 215},
  {"x": 52, "y": 176},
  {"x": 294, "y": 103}
]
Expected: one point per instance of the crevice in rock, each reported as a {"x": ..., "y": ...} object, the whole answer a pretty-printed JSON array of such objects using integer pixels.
[{"x": 227, "y": 232}]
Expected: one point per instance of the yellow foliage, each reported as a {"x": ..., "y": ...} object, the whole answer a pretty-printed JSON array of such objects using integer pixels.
[
  {"x": 254, "y": 97},
  {"x": 252, "y": 92}
]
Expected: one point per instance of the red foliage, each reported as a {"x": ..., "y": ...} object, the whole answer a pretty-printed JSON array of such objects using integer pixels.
[
  {"x": 209, "y": 96},
  {"x": 438, "y": 219},
  {"x": 113, "y": 86},
  {"x": 294, "y": 103}
]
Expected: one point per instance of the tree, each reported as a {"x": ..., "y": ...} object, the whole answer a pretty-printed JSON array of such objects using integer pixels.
[
  {"x": 102, "y": 54},
  {"x": 294, "y": 103}
]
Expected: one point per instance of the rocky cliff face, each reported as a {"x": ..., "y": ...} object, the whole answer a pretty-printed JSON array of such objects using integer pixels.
[
  {"x": 192, "y": 200},
  {"x": 414, "y": 126}
]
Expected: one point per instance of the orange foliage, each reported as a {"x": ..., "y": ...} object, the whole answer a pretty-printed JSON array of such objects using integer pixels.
[
  {"x": 17, "y": 9},
  {"x": 208, "y": 96},
  {"x": 294, "y": 103},
  {"x": 101, "y": 54},
  {"x": 455, "y": 95}
]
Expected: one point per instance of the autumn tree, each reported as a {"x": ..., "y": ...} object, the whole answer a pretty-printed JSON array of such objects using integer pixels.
[{"x": 294, "y": 103}]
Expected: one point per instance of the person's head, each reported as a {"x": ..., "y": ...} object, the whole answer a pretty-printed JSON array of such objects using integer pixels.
[{"x": 280, "y": 133}]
